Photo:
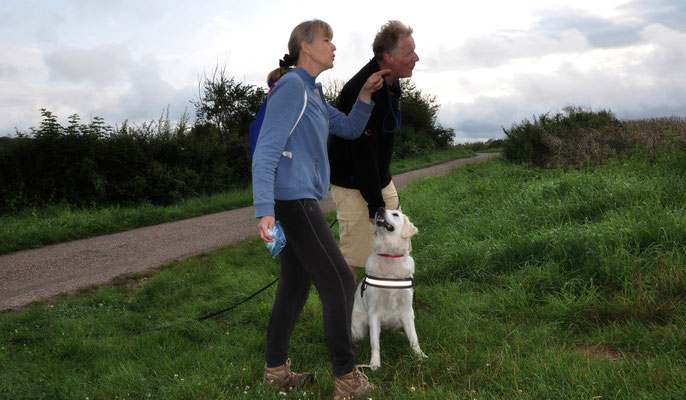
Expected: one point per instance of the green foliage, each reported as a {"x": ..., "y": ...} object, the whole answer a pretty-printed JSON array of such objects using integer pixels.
[
  {"x": 94, "y": 164},
  {"x": 163, "y": 162},
  {"x": 332, "y": 90},
  {"x": 578, "y": 136},
  {"x": 227, "y": 104},
  {"x": 420, "y": 133}
]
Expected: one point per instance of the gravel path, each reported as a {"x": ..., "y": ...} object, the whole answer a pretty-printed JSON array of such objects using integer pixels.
[{"x": 31, "y": 275}]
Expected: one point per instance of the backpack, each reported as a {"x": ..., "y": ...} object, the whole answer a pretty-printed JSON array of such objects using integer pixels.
[{"x": 256, "y": 125}]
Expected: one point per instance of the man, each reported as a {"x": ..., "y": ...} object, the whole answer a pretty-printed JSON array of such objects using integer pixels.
[{"x": 360, "y": 176}]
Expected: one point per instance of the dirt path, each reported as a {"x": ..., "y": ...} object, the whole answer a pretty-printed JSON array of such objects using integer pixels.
[{"x": 37, "y": 274}]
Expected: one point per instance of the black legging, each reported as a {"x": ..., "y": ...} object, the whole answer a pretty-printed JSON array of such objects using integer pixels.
[{"x": 311, "y": 255}]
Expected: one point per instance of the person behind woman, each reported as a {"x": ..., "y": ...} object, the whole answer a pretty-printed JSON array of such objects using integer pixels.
[
  {"x": 275, "y": 75},
  {"x": 290, "y": 176}
]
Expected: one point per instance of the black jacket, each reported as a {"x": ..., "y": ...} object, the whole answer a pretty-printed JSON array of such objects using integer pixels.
[{"x": 364, "y": 163}]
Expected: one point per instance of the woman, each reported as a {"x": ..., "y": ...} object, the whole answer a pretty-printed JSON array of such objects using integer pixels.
[{"x": 290, "y": 176}]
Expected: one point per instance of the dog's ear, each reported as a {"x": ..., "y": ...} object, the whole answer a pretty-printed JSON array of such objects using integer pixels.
[{"x": 409, "y": 229}]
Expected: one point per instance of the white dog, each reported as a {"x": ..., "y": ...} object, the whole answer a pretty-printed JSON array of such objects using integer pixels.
[{"x": 384, "y": 297}]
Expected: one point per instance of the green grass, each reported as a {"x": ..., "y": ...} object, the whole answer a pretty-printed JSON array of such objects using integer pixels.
[
  {"x": 435, "y": 158},
  {"x": 539, "y": 285},
  {"x": 39, "y": 227}
]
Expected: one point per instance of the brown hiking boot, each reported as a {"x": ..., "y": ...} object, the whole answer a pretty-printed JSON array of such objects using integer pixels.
[
  {"x": 283, "y": 377},
  {"x": 352, "y": 385}
]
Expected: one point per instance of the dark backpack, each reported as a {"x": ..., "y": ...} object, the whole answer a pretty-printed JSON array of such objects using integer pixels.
[
  {"x": 254, "y": 128},
  {"x": 256, "y": 125}
]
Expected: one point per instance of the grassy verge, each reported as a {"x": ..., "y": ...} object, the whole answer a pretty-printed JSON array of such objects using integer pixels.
[
  {"x": 537, "y": 284},
  {"x": 34, "y": 228},
  {"x": 435, "y": 158}
]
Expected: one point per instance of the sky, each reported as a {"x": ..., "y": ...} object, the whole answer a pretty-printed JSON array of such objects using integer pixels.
[{"x": 490, "y": 64}]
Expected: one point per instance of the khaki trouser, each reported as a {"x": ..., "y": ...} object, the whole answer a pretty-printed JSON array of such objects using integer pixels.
[{"x": 354, "y": 228}]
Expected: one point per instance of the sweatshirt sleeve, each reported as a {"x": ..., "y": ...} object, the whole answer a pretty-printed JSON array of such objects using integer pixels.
[
  {"x": 283, "y": 108},
  {"x": 352, "y": 125}
]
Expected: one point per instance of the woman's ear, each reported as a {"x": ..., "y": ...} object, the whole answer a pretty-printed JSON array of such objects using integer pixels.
[{"x": 305, "y": 48}]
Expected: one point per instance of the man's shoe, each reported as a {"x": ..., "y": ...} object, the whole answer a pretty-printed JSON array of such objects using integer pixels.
[
  {"x": 352, "y": 385},
  {"x": 283, "y": 377}
]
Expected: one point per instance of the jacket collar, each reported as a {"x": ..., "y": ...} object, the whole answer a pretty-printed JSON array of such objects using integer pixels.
[{"x": 305, "y": 76}]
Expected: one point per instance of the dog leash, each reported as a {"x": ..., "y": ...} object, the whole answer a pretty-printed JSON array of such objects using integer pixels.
[
  {"x": 166, "y": 327},
  {"x": 159, "y": 328}
]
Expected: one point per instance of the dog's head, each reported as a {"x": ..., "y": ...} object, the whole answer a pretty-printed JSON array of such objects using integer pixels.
[{"x": 394, "y": 223}]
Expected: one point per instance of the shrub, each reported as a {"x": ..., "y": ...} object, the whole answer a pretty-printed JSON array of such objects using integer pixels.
[
  {"x": 420, "y": 133},
  {"x": 579, "y": 137},
  {"x": 83, "y": 165}
]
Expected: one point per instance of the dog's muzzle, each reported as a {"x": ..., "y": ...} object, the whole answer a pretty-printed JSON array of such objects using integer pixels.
[{"x": 381, "y": 220}]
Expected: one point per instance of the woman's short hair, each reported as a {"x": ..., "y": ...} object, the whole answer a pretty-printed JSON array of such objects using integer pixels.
[
  {"x": 386, "y": 39},
  {"x": 304, "y": 32}
]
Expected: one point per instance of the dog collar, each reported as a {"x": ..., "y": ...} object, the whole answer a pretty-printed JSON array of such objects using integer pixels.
[
  {"x": 391, "y": 256},
  {"x": 385, "y": 283}
]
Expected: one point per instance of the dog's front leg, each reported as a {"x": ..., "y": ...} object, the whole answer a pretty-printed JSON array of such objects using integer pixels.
[
  {"x": 374, "y": 333},
  {"x": 408, "y": 326}
]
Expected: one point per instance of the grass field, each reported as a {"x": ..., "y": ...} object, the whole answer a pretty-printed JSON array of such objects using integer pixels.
[
  {"x": 59, "y": 223},
  {"x": 537, "y": 284}
]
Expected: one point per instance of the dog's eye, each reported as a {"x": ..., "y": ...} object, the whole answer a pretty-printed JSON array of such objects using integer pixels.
[{"x": 396, "y": 214}]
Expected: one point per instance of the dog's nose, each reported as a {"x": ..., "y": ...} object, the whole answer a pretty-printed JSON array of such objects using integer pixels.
[
  {"x": 381, "y": 219},
  {"x": 380, "y": 213}
]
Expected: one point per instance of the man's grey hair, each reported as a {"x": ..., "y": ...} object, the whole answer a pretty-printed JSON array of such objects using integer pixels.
[{"x": 386, "y": 39}]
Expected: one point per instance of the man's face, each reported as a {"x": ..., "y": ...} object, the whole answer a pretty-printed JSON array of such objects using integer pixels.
[{"x": 401, "y": 61}]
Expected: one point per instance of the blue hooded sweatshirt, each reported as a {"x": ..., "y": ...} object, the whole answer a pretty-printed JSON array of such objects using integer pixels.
[{"x": 296, "y": 166}]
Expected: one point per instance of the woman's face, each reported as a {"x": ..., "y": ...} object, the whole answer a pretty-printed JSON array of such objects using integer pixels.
[{"x": 322, "y": 51}]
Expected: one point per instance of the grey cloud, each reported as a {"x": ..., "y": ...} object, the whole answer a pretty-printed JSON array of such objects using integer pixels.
[
  {"x": 669, "y": 13},
  {"x": 149, "y": 95},
  {"x": 500, "y": 48},
  {"x": 653, "y": 87},
  {"x": 561, "y": 31},
  {"x": 8, "y": 72},
  {"x": 101, "y": 65},
  {"x": 599, "y": 31}
]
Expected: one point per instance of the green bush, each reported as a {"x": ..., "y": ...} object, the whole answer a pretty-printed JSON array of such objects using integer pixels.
[
  {"x": 86, "y": 165},
  {"x": 420, "y": 133},
  {"x": 579, "y": 137},
  {"x": 161, "y": 162}
]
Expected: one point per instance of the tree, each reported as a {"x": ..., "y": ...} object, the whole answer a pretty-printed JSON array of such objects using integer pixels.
[{"x": 227, "y": 104}]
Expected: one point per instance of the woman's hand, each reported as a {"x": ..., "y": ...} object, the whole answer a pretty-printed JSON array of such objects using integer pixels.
[
  {"x": 266, "y": 224},
  {"x": 374, "y": 83}
]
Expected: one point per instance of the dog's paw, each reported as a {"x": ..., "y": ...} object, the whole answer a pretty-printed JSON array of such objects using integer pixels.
[
  {"x": 374, "y": 365},
  {"x": 420, "y": 353}
]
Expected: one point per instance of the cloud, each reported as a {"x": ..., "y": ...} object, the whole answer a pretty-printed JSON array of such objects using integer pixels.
[
  {"x": 101, "y": 65},
  {"x": 669, "y": 13},
  {"x": 500, "y": 48},
  {"x": 634, "y": 82},
  {"x": 149, "y": 94},
  {"x": 599, "y": 31}
]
